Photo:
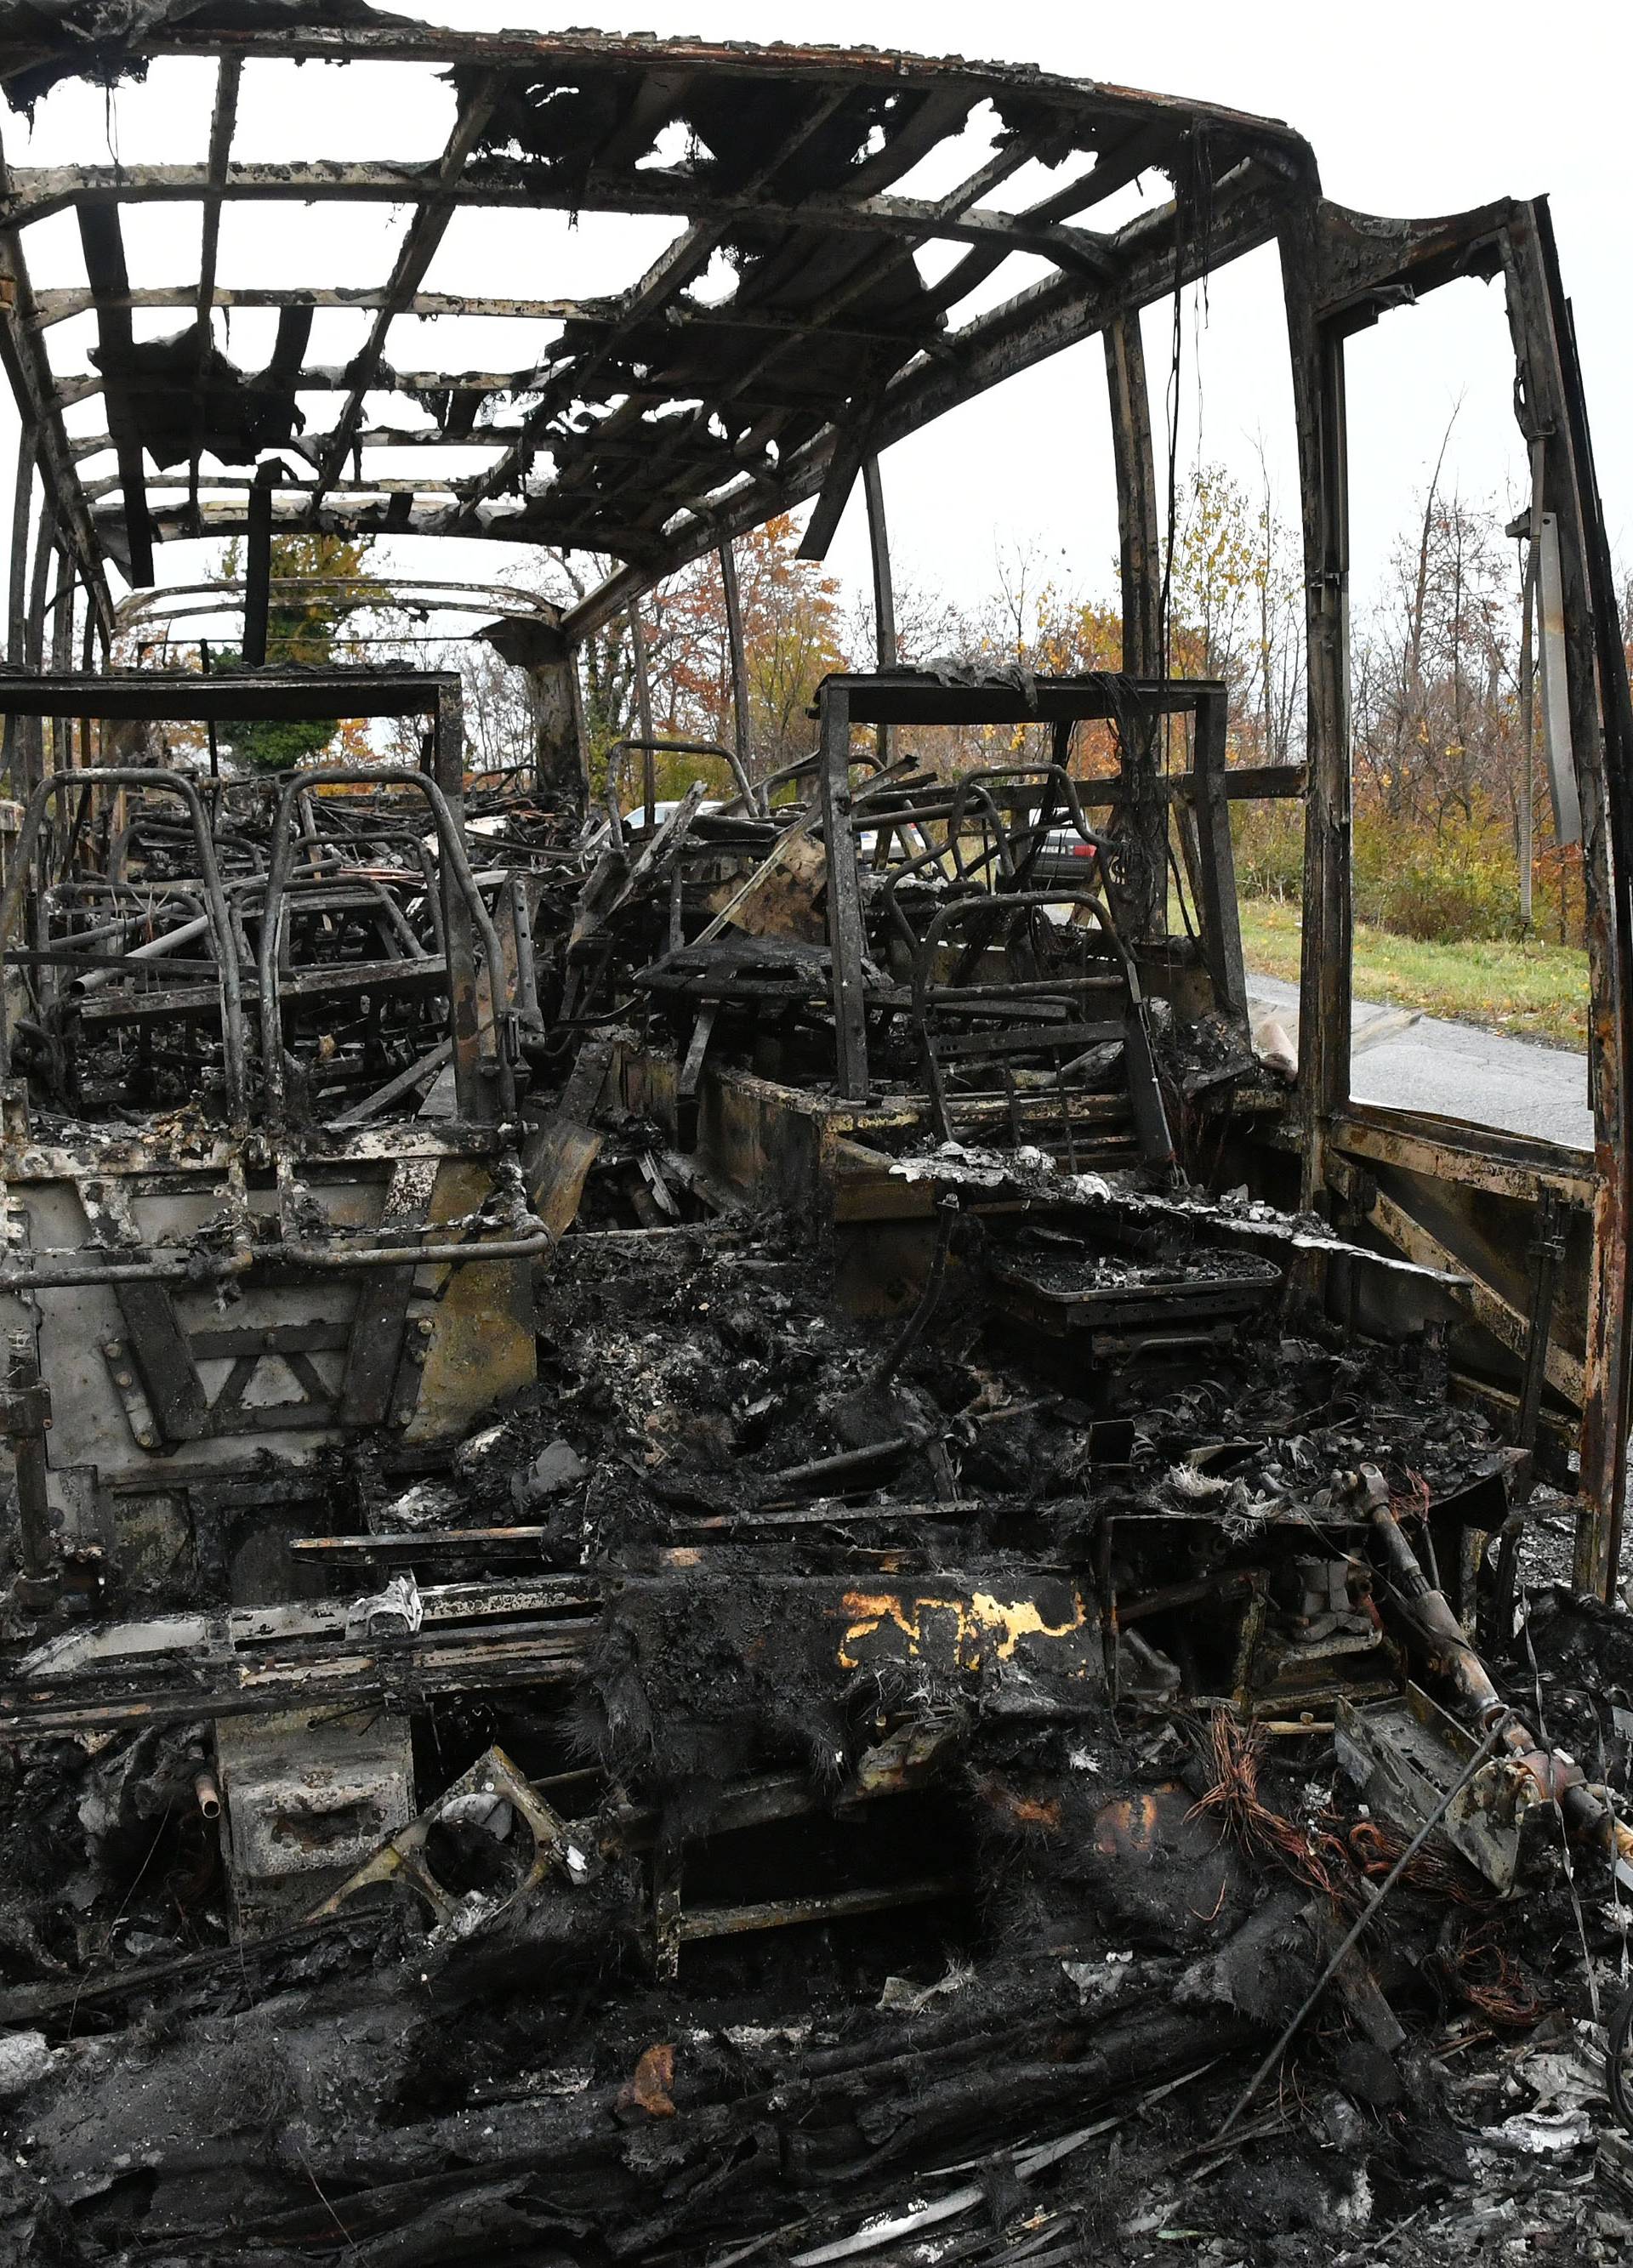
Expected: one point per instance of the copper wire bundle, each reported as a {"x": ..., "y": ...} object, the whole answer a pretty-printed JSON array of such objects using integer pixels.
[
  {"x": 1492, "y": 1982},
  {"x": 1318, "y": 1860},
  {"x": 1375, "y": 1848}
]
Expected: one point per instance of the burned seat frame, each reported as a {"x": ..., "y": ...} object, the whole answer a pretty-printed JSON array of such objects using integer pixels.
[{"x": 374, "y": 1276}]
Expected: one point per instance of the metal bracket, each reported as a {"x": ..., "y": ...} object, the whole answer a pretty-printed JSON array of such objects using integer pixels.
[
  {"x": 138, "y": 1409},
  {"x": 492, "y": 1781}
]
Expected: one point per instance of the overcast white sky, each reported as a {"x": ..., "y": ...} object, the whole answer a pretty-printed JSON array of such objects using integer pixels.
[{"x": 1418, "y": 108}]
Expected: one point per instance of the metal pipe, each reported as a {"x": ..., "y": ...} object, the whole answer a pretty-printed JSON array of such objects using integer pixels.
[
  {"x": 155, "y": 949},
  {"x": 787, "y": 1913},
  {"x": 739, "y": 662},
  {"x": 621, "y": 748},
  {"x": 1583, "y": 1811},
  {"x": 24, "y": 1275},
  {"x": 643, "y": 704},
  {"x": 883, "y": 586}
]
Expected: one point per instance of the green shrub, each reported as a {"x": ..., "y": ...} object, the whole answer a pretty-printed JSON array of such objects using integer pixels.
[
  {"x": 1461, "y": 880},
  {"x": 1269, "y": 844},
  {"x": 1457, "y": 882}
]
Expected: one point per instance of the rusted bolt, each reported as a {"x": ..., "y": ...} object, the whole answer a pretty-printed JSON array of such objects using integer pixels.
[
  {"x": 145, "y": 1441},
  {"x": 123, "y": 1378},
  {"x": 425, "y": 1327},
  {"x": 113, "y": 1349}
]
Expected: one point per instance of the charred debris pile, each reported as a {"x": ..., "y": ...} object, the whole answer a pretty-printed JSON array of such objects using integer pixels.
[{"x": 824, "y": 1651}]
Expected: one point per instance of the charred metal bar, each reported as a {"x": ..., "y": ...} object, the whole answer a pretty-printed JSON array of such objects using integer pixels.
[
  {"x": 787, "y": 1913},
  {"x": 883, "y": 586},
  {"x": 56, "y": 304},
  {"x": 16, "y": 619},
  {"x": 45, "y": 540},
  {"x": 34, "y": 384},
  {"x": 258, "y": 568},
  {"x": 425, "y": 231},
  {"x": 847, "y": 936},
  {"x": 646, "y": 749},
  {"x": 732, "y": 598},
  {"x": 60, "y": 611},
  {"x": 223, "y": 122},
  {"x": 26, "y": 1415},
  {"x": 1548, "y": 1250},
  {"x": 1140, "y": 559},
  {"x": 105, "y": 264},
  {"x": 1221, "y": 933},
  {"x": 643, "y": 703},
  {"x": 1553, "y": 421},
  {"x": 1323, "y": 1014},
  {"x": 22, "y": 501}
]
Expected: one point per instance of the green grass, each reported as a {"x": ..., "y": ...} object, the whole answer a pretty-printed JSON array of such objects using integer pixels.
[{"x": 1533, "y": 990}]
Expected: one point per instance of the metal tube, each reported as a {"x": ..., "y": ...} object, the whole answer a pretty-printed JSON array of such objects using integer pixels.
[
  {"x": 22, "y": 505},
  {"x": 739, "y": 663},
  {"x": 156, "y": 950},
  {"x": 291, "y": 1252},
  {"x": 1583, "y": 1809},
  {"x": 643, "y": 708},
  {"x": 746, "y": 789},
  {"x": 277, "y": 882},
  {"x": 883, "y": 586}
]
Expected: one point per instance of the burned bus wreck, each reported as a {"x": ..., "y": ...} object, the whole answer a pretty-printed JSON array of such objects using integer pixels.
[{"x": 728, "y": 1540}]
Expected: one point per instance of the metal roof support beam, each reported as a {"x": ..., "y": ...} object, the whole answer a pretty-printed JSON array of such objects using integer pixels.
[
  {"x": 16, "y": 611},
  {"x": 59, "y": 303},
  {"x": 242, "y": 485},
  {"x": 418, "y": 249},
  {"x": 257, "y": 574},
  {"x": 142, "y": 605},
  {"x": 352, "y": 516},
  {"x": 40, "y": 191},
  {"x": 1034, "y": 324},
  {"x": 1099, "y": 107},
  {"x": 1142, "y": 819},
  {"x": 223, "y": 120},
  {"x": 28, "y": 371},
  {"x": 105, "y": 264},
  {"x": 22, "y": 507}
]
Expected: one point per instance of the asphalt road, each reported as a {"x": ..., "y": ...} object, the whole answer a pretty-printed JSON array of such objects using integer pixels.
[{"x": 1411, "y": 1061}]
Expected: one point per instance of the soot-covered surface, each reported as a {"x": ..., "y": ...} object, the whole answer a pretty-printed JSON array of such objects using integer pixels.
[{"x": 1046, "y": 1895}]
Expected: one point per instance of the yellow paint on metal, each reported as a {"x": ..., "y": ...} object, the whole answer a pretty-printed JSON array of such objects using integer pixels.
[
  {"x": 986, "y": 1627},
  {"x": 482, "y": 1346}
]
